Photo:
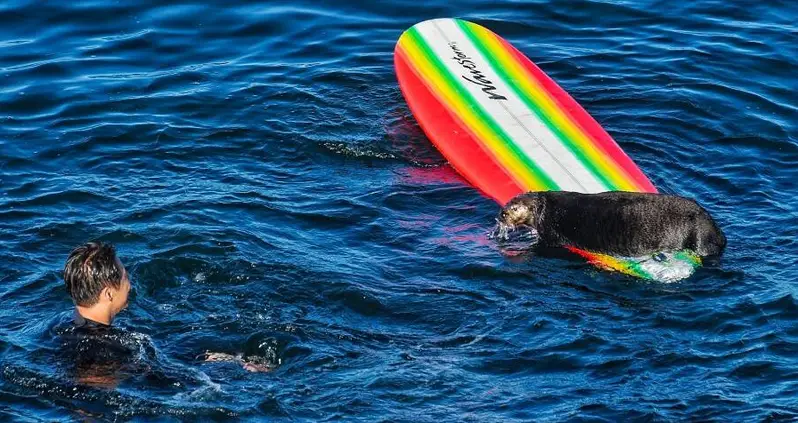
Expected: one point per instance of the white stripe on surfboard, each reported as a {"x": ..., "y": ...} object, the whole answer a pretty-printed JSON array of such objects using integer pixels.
[{"x": 527, "y": 131}]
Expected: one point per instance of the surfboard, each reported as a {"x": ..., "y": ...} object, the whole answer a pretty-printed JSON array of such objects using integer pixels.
[{"x": 504, "y": 124}]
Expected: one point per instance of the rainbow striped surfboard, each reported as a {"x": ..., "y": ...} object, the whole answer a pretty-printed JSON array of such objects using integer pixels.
[{"x": 503, "y": 123}]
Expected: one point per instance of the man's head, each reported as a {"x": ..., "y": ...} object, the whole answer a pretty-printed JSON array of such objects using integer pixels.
[{"x": 96, "y": 279}]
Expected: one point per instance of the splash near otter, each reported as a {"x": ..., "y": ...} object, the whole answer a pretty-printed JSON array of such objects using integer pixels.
[{"x": 504, "y": 124}]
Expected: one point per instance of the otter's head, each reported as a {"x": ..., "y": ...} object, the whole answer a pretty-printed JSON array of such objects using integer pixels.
[{"x": 519, "y": 211}]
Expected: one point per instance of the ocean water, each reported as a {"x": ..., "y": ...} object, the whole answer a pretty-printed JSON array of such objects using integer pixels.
[{"x": 271, "y": 195}]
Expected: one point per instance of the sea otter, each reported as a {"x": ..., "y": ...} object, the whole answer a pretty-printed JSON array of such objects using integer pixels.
[{"x": 616, "y": 223}]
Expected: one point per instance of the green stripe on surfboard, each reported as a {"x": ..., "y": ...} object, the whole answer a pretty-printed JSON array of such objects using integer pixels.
[
  {"x": 468, "y": 99},
  {"x": 533, "y": 106}
]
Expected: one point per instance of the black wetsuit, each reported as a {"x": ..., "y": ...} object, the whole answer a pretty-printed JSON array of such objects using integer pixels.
[
  {"x": 99, "y": 353},
  {"x": 97, "y": 350},
  {"x": 83, "y": 323},
  {"x": 99, "y": 340}
]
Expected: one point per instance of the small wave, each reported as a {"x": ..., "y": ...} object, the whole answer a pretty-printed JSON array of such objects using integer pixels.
[
  {"x": 98, "y": 402},
  {"x": 358, "y": 150}
]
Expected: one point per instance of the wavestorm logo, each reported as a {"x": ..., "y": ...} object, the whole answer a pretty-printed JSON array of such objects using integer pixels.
[{"x": 477, "y": 77}]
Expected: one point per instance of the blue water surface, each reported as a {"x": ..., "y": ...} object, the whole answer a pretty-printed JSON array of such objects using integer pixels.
[{"x": 271, "y": 195}]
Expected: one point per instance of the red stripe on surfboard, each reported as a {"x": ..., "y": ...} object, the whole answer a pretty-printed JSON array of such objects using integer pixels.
[
  {"x": 583, "y": 120},
  {"x": 451, "y": 136}
]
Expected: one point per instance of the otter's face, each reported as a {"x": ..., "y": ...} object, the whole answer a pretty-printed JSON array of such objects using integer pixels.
[{"x": 517, "y": 213}]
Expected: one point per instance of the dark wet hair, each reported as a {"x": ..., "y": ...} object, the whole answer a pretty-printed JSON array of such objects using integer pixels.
[{"x": 89, "y": 269}]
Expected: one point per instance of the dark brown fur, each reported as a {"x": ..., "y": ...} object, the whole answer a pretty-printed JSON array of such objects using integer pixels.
[{"x": 617, "y": 223}]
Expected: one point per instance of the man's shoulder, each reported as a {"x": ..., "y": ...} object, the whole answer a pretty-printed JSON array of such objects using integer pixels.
[{"x": 85, "y": 335}]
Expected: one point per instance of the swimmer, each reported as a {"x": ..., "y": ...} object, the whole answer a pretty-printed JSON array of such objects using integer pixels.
[{"x": 99, "y": 286}]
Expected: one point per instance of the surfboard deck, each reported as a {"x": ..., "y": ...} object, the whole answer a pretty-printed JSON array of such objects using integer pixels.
[{"x": 504, "y": 124}]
